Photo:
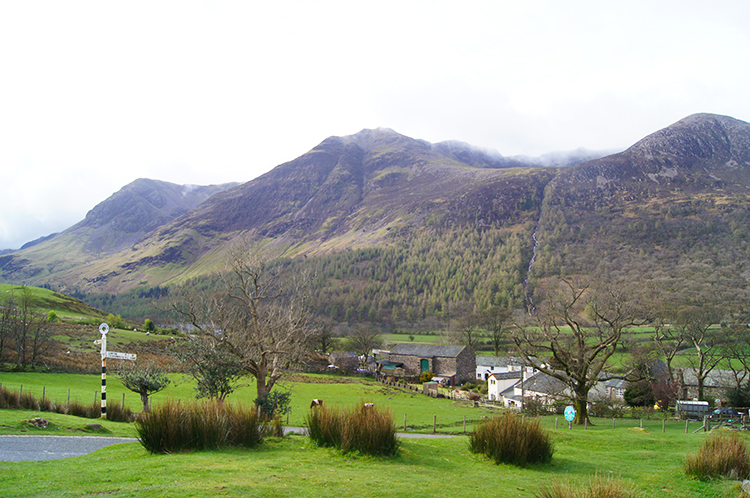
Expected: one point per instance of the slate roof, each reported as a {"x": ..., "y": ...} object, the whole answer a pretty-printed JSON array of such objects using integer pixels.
[
  {"x": 500, "y": 361},
  {"x": 507, "y": 375},
  {"x": 427, "y": 350}
]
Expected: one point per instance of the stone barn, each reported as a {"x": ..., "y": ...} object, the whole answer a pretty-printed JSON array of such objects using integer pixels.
[{"x": 455, "y": 364}]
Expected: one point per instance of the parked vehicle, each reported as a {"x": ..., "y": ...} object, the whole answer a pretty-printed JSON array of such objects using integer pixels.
[{"x": 725, "y": 413}]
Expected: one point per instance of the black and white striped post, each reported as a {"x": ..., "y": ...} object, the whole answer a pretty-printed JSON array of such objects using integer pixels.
[{"x": 103, "y": 329}]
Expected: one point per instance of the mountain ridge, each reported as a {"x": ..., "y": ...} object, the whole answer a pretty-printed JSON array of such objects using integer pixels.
[{"x": 675, "y": 198}]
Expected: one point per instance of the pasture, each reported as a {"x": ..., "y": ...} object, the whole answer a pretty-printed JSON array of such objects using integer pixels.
[
  {"x": 648, "y": 458},
  {"x": 294, "y": 467}
]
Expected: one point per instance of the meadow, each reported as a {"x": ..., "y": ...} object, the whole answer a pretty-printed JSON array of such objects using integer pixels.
[{"x": 648, "y": 458}]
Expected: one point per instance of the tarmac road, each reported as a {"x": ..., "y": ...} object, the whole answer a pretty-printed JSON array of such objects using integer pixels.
[{"x": 32, "y": 448}]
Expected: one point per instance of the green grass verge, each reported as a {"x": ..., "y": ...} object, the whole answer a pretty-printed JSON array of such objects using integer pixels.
[
  {"x": 294, "y": 467},
  {"x": 13, "y": 422}
]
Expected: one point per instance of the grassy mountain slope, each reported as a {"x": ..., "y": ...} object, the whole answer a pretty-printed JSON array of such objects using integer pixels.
[
  {"x": 400, "y": 229},
  {"x": 673, "y": 209}
]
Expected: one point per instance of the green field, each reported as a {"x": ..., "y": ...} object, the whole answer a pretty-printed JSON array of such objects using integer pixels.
[{"x": 293, "y": 467}]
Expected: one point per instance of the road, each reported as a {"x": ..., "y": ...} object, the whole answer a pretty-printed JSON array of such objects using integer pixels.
[{"x": 32, "y": 448}]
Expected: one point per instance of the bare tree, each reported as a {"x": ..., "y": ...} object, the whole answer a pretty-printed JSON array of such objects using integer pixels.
[
  {"x": 322, "y": 335},
  {"x": 467, "y": 332},
  {"x": 363, "y": 340},
  {"x": 494, "y": 320},
  {"x": 668, "y": 341},
  {"x": 696, "y": 324},
  {"x": 576, "y": 332},
  {"x": 259, "y": 318},
  {"x": 7, "y": 322}
]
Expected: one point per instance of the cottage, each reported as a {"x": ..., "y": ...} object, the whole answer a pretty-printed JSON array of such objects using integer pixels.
[
  {"x": 346, "y": 361},
  {"x": 487, "y": 365},
  {"x": 455, "y": 364},
  {"x": 499, "y": 382},
  {"x": 539, "y": 387}
]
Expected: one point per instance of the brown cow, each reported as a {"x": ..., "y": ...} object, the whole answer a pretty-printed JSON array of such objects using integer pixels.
[{"x": 316, "y": 402}]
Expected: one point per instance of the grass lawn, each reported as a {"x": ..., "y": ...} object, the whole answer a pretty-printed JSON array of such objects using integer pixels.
[
  {"x": 420, "y": 410},
  {"x": 294, "y": 467},
  {"x": 13, "y": 422}
]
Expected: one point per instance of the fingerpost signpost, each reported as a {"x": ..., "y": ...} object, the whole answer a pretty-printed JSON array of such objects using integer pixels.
[{"x": 103, "y": 329}]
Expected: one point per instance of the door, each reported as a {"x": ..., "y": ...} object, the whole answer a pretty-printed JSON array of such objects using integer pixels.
[{"x": 424, "y": 365}]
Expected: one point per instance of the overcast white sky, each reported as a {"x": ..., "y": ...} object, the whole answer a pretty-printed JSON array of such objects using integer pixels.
[{"x": 94, "y": 95}]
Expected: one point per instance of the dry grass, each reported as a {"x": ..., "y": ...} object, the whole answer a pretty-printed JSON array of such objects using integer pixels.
[
  {"x": 509, "y": 439},
  {"x": 723, "y": 455},
  {"x": 365, "y": 429},
  {"x": 598, "y": 487},
  {"x": 173, "y": 427}
]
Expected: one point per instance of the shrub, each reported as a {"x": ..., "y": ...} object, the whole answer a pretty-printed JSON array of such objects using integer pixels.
[
  {"x": 370, "y": 431},
  {"x": 325, "y": 426},
  {"x": 78, "y": 409},
  {"x": 367, "y": 430},
  {"x": 598, "y": 487},
  {"x": 426, "y": 376},
  {"x": 118, "y": 413},
  {"x": 720, "y": 456},
  {"x": 509, "y": 439},
  {"x": 175, "y": 426}
]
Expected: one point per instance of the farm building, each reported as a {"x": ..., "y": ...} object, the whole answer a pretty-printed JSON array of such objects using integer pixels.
[
  {"x": 346, "y": 361},
  {"x": 455, "y": 364}
]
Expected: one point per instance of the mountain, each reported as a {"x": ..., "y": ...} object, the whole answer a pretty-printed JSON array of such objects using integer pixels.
[
  {"x": 401, "y": 229},
  {"x": 111, "y": 226},
  {"x": 672, "y": 210}
]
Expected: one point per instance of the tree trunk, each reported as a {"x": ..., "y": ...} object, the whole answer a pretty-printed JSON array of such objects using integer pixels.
[
  {"x": 580, "y": 403},
  {"x": 260, "y": 380},
  {"x": 144, "y": 400}
]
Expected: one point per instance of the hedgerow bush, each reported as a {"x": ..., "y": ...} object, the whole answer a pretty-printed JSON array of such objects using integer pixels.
[
  {"x": 510, "y": 439},
  {"x": 173, "y": 426},
  {"x": 723, "y": 455},
  {"x": 16, "y": 401},
  {"x": 365, "y": 429}
]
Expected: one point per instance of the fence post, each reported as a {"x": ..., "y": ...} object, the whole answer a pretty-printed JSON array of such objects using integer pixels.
[
  {"x": 464, "y": 423},
  {"x": 556, "y": 419},
  {"x": 123, "y": 401},
  {"x": 687, "y": 421},
  {"x": 613, "y": 422},
  {"x": 586, "y": 424},
  {"x": 404, "y": 422},
  {"x": 434, "y": 424},
  {"x": 20, "y": 392},
  {"x": 664, "y": 426},
  {"x": 96, "y": 395},
  {"x": 69, "y": 396},
  {"x": 641, "y": 422},
  {"x": 44, "y": 391}
]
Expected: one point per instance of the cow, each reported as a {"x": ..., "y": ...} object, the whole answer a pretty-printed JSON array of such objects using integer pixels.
[
  {"x": 369, "y": 405},
  {"x": 316, "y": 402}
]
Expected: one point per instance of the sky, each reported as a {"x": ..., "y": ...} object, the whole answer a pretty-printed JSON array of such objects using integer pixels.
[{"x": 94, "y": 95}]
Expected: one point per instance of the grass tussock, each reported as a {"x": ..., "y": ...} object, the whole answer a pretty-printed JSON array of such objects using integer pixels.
[
  {"x": 173, "y": 427},
  {"x": 509, "y": 439},
  {"x": 15, "y": 401},
  {"x": 367, "y": 430},
  {"x": 722, "y": 455},
  {"x": 598, "y": 487}
]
